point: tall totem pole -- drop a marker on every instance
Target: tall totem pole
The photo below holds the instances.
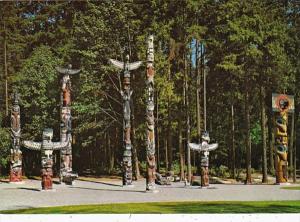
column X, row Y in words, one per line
column 66, row 174
column 151, row 166
column 15, row 153
column 204, row 147
column 126, row 95
column 46, row 147
column 282, row 104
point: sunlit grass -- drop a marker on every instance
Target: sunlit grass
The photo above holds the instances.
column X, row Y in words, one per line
column 291, row 188
column 171, row 207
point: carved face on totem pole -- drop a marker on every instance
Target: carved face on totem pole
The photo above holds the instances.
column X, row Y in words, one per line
column 15, row 117
column 66, row 89
column 281, row 104
column 15, row 151
column 126, row 95
column 281, row 136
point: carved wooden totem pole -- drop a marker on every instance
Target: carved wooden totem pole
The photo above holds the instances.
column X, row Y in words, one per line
column 46, row 147
column 150, row 146
column 15, row 153
column 204, row 147
column 126, row 95
column 66, row 174
column 282, row 104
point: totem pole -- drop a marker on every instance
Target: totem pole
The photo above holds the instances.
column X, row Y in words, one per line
column 15, row 153
column 46, row 147
column 204, row 147
column 151, row 167
column 126, row 95
column 66, row 174
column 281, row 104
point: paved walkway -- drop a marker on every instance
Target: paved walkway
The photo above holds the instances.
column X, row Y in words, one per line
column 28, row 195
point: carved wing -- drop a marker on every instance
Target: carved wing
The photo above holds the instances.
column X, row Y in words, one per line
column 134, row 65
column 67, row 71
column 74, row 71
column 210, row 147
column 60, row 145
column 195, row 146
column 117, row 63
column 32, row 145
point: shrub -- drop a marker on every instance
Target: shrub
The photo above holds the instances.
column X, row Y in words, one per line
column 5, row 144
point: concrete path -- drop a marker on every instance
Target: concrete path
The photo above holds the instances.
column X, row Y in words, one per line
column 28, row 195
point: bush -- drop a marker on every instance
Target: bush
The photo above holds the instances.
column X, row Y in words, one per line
column 5, row 144
column 221, row 171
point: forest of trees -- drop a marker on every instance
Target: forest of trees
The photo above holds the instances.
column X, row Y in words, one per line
column 246, row 50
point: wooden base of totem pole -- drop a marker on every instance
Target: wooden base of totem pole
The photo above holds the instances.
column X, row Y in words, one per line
column 204, row 177
column 151, row 175
column 15, row 177
column 47, row 183
column 281, row 173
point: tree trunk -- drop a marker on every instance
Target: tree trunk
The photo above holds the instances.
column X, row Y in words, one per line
column 5, row 72
column 295, row 149
column 198, row 101
column 181, row 151
column 248, row 137
column 291, row 146
column 232, row 144
column 186, row 98
column 136, row 169
column 157, row 135
column 271, row 143
column 198, row 96
column 169, row 143
column 169, row 135
column 263, row 131
column 166, row 153
column 111, row 153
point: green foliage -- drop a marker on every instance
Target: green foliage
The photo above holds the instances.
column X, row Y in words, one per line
column 5, row 145
column 256, row 133
column 39, row 87
column 221, row 171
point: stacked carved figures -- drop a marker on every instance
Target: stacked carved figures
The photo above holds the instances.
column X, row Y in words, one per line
column 126, row 95
column 281, row 143
column 150, row 146
column 282, row 104
column 66, row 174
column 46, row 147
column 204, row 147
column 16, row 154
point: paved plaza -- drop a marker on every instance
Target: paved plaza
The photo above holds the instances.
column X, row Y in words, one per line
column 28, row 194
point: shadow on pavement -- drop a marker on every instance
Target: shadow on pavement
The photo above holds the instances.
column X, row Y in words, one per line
column 86, row 188
column 91, row 181
column 28, row 188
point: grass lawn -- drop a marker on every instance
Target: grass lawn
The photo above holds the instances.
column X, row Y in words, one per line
column 291, row 188
column 171, row 207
